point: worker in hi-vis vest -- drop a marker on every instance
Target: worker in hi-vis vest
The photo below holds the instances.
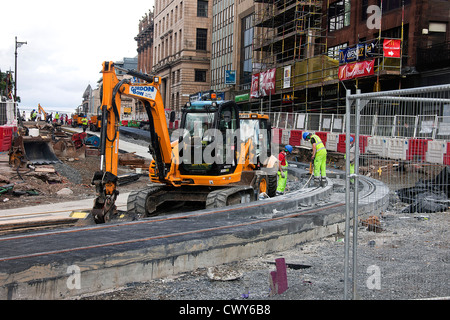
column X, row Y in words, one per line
column 282, row 169
column 352, row 159
column 318, row 158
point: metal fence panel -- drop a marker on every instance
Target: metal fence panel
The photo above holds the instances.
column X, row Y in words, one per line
column 403, row 251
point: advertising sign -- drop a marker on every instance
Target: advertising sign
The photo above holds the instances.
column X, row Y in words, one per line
column 267, row 82
column 144, row 91
column 342, row 54
column 230, row 77
column 391, row 48
column 254, row 91
column 370, row 49
column 357, row 53
column 287, row 77
column 355, row 70
column 351, row 54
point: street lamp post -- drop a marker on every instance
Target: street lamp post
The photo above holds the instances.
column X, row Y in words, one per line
column 18, row 45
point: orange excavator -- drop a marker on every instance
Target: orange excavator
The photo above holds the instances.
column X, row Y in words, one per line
column 206, row 161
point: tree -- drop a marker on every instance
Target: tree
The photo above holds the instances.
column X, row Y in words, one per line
column 7, row 85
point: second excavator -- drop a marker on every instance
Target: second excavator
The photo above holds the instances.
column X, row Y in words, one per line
column 208, row 160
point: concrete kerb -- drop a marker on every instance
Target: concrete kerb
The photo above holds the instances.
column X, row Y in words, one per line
column 262, row 231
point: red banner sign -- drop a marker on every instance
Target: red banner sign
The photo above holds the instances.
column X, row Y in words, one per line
column 355, row 70
column 254, row 91
column 392, row 48
column 267, row 82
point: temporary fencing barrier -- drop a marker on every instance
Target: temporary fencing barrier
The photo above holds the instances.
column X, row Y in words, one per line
column 403, row 138
column 6, row 135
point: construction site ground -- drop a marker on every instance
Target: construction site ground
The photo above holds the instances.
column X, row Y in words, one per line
column 412, row 254
column 412, row 250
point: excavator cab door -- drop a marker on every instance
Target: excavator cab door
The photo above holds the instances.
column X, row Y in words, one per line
column 211, row 140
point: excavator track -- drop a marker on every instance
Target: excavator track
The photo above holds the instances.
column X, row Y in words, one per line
column 230, row 196
column 138, row 202
column 144, row 203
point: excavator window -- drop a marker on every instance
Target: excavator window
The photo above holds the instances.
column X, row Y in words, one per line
column 259, row 131
column 203, row 121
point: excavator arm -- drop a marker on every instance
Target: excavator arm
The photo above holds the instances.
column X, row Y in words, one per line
column 106, row 179
column 41, row 111
column 208, row 164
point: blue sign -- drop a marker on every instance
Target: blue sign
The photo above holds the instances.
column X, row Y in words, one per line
column 351, row 54
column 230, row 76
column 370, row 50
column 342, row 55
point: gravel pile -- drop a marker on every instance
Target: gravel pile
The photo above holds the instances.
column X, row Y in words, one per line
column 72, row 174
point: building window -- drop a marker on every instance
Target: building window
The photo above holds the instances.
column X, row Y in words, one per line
column 247, row 50
column 202, row 37
column 389, row 5
column 339, row 15
column 200, row 75
column 202, row 8
column 364, row 6
column 333, row 52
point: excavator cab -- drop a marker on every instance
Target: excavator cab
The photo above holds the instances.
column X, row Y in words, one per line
column 210, row 140
column 257, row 129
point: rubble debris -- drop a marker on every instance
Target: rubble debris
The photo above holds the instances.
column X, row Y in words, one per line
column 45, row 177
column 130, row 159
column 223, row 273
column 128, row 178
column 47, row 169
column 6, row 188
column 4, row 179
column 428, row 196
column 20, row 193
column 133, row 161
column 64, row 192
column 372, row 223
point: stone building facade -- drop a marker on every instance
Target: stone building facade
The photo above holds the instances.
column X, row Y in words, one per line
column 182, row 49
column 145, row 43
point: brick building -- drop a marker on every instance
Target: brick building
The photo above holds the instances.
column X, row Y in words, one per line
column 314, row 42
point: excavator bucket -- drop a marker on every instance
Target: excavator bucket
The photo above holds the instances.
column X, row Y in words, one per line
column 65, row 148
column 32, row 150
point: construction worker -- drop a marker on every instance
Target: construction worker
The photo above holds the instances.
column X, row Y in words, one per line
column 57, row 118
column 33, row 115
column 84, row 123
column 318, row 158
column 352, row 158
column 282, row 169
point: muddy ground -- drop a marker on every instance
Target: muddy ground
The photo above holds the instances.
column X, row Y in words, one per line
column 411, row 251
column 46, row 188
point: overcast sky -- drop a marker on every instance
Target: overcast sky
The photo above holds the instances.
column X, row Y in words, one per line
column 67, row 42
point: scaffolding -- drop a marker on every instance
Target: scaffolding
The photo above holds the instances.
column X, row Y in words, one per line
column 291, row 33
